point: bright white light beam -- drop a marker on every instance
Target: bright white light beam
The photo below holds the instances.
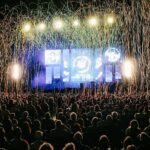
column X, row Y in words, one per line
column 128, row 69
column 41, row 26
column 93, row 21
column 26, row 27
column 58, row 24
column 16, row 71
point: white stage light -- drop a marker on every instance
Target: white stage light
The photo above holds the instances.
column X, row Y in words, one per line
column 26, row 27
column 110, row 20
column 112, row 54
column 41, row 26
column 16, row 71
column 93, row 21
column 58, row 24
column 76, row 23
column 128, row 69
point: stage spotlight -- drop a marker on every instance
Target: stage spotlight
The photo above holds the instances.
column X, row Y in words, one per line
column 112, row 54
column 128, row 69
column 26, row 27
column 16, row 71
column 41, row 26
column 76, row 23
column 110, row 20
column 58, row 24
column 93, row 21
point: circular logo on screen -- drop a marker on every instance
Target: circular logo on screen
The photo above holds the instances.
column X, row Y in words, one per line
column 82, row 64
column 112, row 54
column 52, row 57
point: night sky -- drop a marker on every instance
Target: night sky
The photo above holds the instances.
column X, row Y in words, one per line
column 59, row 3
column 12, row 3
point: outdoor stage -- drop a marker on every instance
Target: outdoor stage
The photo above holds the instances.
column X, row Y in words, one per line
column 72, row 68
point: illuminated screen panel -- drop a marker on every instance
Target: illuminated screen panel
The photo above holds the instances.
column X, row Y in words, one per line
column 118, row 71
column 48, row 75
column 66, row 65
column 112, row 54
column 81, row 65
column 108, row 76
column 98, row 66
column 57, row 72
column 52, row 57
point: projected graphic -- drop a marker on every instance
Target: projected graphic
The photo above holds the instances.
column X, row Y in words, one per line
column 48, row 75
column 66, row 66
column 118, row 72
column 56, row 72
column 112, row 54
column 81, row 65
column 52, row 57
column 108, row 76
column 98, row 69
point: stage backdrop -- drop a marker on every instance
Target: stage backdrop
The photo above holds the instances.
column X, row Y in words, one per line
column 70, row 67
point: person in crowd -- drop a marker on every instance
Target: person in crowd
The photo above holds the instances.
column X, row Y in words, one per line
column 17, row 142
column 38, row 140
column 147, row 129
column 144, row 141
column 46, row 146
column 92, row 133
column 133, row 130
column 3, row 140
column 36, row 126
column 127, row 141
column 104, row 143
column 72, row 120
column 25, row 117
column 26, row 131
column 47, row 122
column 59, row 133
column 131, row 147
column 78, row 141
column 69, row 146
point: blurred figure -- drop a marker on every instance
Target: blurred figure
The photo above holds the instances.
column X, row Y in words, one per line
column 78, row 140
column 69, row 146
column 131, row 147
column 38, row 140
column 17, row 143
column 46, row 146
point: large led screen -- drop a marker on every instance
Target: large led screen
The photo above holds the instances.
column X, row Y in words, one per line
column 74, row 66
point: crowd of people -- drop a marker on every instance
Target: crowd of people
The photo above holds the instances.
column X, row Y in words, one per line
column 74, row 121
